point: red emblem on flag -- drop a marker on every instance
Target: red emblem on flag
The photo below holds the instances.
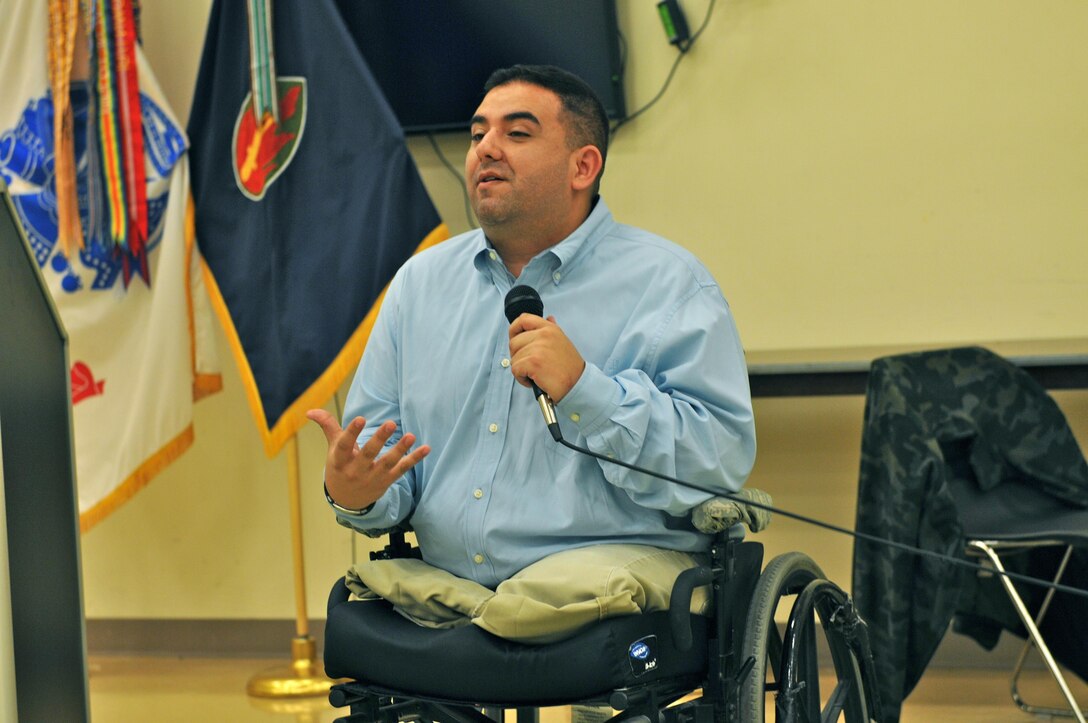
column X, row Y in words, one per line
column 84, row 384
column 263, row 148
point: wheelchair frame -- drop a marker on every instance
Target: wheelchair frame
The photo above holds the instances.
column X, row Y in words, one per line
column 742, row 645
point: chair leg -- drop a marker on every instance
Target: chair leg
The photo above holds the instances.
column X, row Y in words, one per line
column 522, row 715
column 528, row 715
column 1014, row 687
column 1033, row 632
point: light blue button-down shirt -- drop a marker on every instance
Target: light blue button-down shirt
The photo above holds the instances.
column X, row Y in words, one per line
column 665, row 387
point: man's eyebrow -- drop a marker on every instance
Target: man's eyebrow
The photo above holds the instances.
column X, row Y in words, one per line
column 516, row 115
column 521, row 115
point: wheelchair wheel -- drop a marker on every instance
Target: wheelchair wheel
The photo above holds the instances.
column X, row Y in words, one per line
column 793, row 675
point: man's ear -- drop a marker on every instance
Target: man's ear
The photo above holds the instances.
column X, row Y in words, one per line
column 587, row 163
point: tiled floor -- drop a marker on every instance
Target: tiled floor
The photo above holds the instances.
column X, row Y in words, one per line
column 208, row 690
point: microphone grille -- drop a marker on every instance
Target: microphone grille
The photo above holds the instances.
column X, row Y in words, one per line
column 523, row 300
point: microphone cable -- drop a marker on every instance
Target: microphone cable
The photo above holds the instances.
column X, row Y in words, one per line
column 523, row 299
column 1038, row 582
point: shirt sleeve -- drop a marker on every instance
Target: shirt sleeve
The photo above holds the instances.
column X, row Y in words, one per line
column 375, row 395
column 687, row 413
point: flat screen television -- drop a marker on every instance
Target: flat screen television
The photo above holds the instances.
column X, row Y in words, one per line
column 431, row 57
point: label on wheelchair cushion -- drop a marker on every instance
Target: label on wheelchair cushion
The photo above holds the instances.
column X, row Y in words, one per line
column 643, row 655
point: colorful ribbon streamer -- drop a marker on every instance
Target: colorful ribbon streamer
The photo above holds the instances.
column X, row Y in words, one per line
column 63, row 25
column 120, row 133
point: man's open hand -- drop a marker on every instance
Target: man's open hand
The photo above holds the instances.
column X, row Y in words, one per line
column 356, row 476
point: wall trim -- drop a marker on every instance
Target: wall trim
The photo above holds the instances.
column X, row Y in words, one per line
column 272, row 639
column 214, row 638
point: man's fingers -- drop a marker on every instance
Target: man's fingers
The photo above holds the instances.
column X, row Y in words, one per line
column 527, row 322
column 346, row 440
column 392, row 459
column 407, row 461
column 374, row 445
column 342, row 446
column 326, row 421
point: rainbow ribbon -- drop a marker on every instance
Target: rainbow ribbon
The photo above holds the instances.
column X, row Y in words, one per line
column 120, row 133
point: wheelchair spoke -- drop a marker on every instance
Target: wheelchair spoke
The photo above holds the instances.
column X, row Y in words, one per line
column 837, row 700
column 774, row 649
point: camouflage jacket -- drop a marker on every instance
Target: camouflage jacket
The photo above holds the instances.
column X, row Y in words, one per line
column 918, row 407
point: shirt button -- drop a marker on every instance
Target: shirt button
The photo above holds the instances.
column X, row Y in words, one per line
column 478, row 493
column 576, row 417
column 505, row 363
column 478, row 559
column 493, row 428
column 494, row 256
column 557, row 276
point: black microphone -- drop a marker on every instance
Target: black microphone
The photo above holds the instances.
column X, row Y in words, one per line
column 524, row 300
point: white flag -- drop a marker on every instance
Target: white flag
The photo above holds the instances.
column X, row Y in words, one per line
column 140, row 354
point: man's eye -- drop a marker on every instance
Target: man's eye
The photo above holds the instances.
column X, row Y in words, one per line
column 519, row 134
column 476, row 137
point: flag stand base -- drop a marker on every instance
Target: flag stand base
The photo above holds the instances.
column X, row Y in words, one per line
column 303, row 678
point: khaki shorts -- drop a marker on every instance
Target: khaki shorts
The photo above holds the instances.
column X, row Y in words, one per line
column 549, row 600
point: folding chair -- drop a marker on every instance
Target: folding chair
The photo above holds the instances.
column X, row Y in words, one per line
column 964, row 453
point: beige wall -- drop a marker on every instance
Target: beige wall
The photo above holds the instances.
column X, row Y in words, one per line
column 854, row 172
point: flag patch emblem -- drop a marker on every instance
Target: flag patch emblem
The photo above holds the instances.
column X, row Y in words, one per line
column 263, row 149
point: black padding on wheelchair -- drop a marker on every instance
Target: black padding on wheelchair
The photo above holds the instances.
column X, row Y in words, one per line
column 376, row 645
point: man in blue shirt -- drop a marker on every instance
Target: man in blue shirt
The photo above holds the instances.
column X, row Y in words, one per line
column 638, row 351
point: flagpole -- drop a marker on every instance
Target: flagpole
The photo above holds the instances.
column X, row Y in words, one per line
column 306, row 675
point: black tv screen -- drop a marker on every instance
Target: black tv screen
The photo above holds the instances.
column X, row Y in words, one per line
column 431, row 57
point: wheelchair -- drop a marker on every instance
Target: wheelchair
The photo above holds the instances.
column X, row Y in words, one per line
column 668, row 666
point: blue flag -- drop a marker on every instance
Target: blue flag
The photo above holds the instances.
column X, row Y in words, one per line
column 302, row 215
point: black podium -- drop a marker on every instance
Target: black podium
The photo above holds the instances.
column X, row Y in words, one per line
column 39, row 489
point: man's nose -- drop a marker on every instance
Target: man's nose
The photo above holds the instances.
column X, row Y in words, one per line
column 488, row 146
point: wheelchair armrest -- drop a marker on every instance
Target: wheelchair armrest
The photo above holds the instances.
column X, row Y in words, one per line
column 720, row 513
column 398, row 547
column 680, row 603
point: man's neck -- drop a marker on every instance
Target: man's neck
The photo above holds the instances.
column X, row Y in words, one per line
column 516, row 255
column 517, row 248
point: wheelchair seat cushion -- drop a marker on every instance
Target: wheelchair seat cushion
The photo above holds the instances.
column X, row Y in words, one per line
column 551, row 599
column 368, row 641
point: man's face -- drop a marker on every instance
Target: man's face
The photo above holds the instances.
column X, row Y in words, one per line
column 519, row 167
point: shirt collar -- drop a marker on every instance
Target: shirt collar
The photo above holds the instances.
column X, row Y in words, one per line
column 564, row 255
column 486, row 256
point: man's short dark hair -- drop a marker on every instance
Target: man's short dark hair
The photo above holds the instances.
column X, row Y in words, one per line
column 588, row 122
